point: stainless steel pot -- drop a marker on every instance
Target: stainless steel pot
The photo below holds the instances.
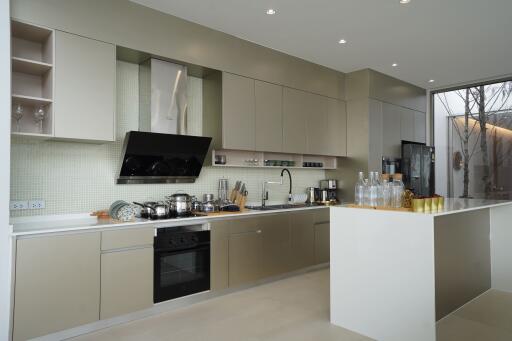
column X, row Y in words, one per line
column 179, row 203
column 211, row 206
column 153, row 210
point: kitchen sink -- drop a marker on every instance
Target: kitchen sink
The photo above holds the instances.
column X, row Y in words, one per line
column 277, row 207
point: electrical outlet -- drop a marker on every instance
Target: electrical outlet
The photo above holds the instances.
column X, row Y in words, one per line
column 18, row 205
column 36, row 204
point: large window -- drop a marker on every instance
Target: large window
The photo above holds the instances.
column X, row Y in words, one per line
column 473, row 137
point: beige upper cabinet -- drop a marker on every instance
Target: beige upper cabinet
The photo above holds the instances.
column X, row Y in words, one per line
column 295, row 110
column 238, row 112
column 316, row 125
column 57, row 283
column 391, row 130
column 336, row 127
column 407, row 123
column 419, row 127
column 269, row 117
column 85, row 73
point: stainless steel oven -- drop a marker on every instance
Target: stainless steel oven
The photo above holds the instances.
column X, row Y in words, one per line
column 182, row 262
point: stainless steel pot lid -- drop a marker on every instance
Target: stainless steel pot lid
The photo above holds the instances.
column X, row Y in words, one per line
column 179, row 197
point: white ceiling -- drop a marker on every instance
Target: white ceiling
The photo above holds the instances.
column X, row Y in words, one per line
column 450, row 41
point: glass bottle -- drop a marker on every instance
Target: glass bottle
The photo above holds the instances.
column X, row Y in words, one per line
column 379, row 201
column 359, row 190
column 397, row 190
column 373, row 189
column 366, row 193
column 386, row 191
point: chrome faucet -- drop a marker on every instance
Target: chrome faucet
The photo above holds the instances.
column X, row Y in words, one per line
column 264, row 191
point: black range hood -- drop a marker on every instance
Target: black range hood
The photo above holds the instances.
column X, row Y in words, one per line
column 162, row 158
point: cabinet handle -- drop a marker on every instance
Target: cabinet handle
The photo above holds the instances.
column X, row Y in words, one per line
column 259, row 231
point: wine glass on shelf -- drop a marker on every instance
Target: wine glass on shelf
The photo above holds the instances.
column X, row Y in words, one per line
column 17, row 114
column 39, row 114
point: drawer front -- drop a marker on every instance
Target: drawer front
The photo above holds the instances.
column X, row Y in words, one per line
column 245, row 225
column 322, row 215
column 127, row 238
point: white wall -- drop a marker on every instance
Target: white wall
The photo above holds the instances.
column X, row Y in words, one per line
column 5, row 140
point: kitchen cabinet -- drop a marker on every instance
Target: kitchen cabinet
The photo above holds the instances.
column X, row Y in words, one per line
column 276, row 242
column 238, row 112
column 244, row 257
column 407, row 124
column 303, row 239
column 420, row 127
column 219, row 258
column 316, row 125
column 269, row 117
column 126, row 271
column 295, row 111
column 245, row 250
column 336, row 128
column 57, row 283
column 126, row 281
column 85, row 73
column 322, row 243
column 391, row 130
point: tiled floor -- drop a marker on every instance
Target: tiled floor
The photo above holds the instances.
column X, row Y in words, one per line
column 487, row 318
column 297, row 309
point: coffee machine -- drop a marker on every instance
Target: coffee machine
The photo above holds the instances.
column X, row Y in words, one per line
column 328, row 190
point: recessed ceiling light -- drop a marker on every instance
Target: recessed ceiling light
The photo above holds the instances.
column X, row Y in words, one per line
column 403, row 2
column 394, row 65
column 342, row 41
column 271, row 11
column 431, row 81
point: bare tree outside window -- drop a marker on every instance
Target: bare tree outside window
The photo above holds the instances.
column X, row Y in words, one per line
column 479, row 120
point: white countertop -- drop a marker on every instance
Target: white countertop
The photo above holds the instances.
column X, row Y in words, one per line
column 77, row 222
column 456, row 205
column 452, row 206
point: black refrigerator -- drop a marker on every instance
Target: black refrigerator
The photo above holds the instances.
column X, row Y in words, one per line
column 418, row 168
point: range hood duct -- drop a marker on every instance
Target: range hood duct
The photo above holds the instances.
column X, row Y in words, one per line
column 162, row 97
column 161, row 152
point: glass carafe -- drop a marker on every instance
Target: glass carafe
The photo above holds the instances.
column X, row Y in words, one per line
column 397, row 191
column 359, row 190
column 373, row 189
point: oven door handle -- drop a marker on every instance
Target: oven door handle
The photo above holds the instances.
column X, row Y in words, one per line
column 175, row 252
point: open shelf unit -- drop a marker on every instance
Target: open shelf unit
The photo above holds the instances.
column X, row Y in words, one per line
column 32, row 60
column 242, row 158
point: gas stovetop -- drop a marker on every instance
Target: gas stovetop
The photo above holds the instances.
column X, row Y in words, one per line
column 181, row 216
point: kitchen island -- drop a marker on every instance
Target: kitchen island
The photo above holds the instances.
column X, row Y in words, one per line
column 394, row 274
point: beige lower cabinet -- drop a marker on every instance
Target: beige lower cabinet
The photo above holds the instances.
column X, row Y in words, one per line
column 303, row 238
column 219, row 255
column 57, row 283
column 276, row 255
column 126, row 281
column 322, row 253
column 245, row 249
